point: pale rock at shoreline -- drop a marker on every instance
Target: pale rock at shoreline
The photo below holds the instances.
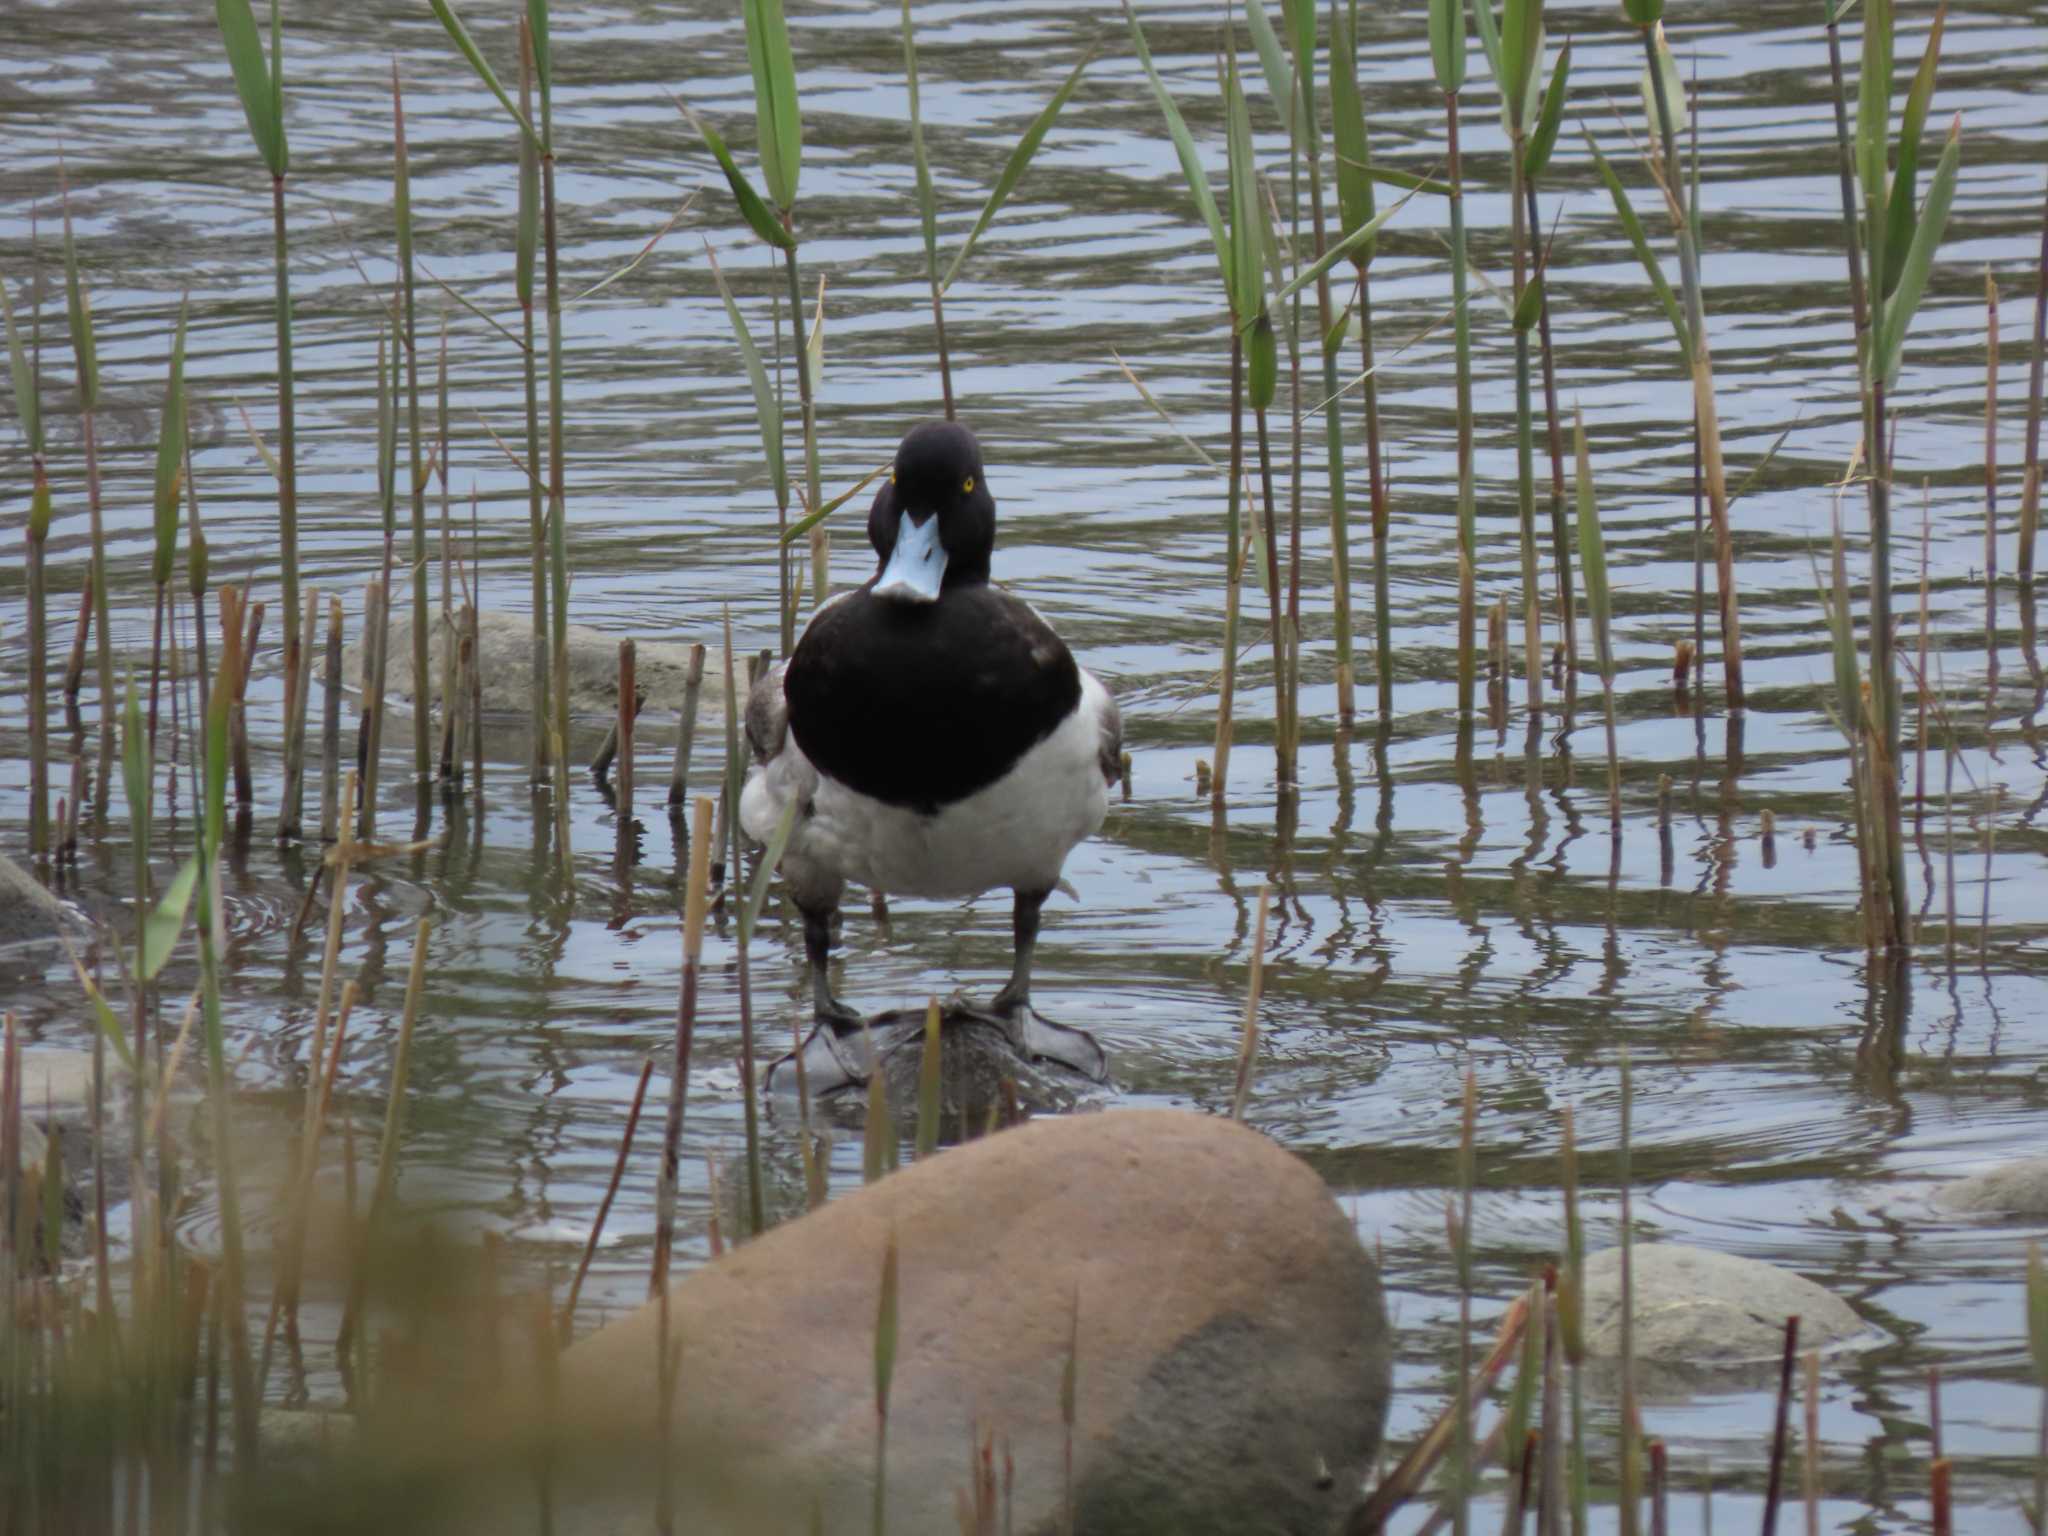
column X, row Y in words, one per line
column 2011, row 1189
column 660, row 668
column 1696, row 1307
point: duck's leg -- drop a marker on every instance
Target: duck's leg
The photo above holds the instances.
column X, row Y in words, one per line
column 1032, row 1035
column 818, row 951
column 1015, row 998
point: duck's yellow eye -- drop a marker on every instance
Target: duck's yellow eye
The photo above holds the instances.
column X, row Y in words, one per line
column 967, row 485
column 892, row 477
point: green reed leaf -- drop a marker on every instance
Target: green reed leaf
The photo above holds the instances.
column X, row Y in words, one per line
column 1489, row 36
column 764, row 874
column 2037, row 1312
column 886, row 1328
column 1904, row 188
column 1625, row 210
column 767, row 409
column 1272, row 62
column 165, row 924
column 1447, row 44
column 78, row 307
column 1247, row 259
column 260, row 99
column 1593, row 572
column 927, row 200
column 1521, row 56
column 1919, row 258
column 26, row 404
column 879, row 1130
column 1339, row 250
column 387, row 428
column 170, row 458
column 1529, row 308
column 1644, row 13
column 760, row 218
column 1407, row 181
column 526, row 238
column 458, row 34
column 543, row 50
column 1348, row 130
column 1873, row 109
column 778, row 124
column 928, row 1083
column 1184, row 146
column 1674, row 94
column 805, row 524
column 1536, row 155
column 109, row 1026
column 1263, row 363
column 1013, row 168
column 137, row 772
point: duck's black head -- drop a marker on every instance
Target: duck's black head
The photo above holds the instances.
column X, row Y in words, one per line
column 933, row 524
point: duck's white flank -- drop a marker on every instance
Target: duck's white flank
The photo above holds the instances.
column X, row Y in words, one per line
column 1016, row 833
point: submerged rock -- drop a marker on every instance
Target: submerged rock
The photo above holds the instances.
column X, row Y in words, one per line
column 2013, row 1189
column 660, row 667
column 1695, row 1307
column 33, row 924
column 1231, row 1364
column 981, row 1070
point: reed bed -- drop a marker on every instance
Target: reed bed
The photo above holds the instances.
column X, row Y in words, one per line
column 160, row 1344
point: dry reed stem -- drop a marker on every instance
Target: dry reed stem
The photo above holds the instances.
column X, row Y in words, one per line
column 604, row 1208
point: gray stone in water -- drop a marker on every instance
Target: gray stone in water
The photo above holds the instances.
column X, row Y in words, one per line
column 32, row 923
column 661, row 667
column 2013, row 1189
column 1695, row 1307
column 1232, row 1360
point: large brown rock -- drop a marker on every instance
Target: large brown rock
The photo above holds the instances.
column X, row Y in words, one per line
column 1232, row 1369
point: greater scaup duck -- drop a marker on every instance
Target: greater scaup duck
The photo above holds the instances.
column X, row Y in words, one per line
column 935, row 734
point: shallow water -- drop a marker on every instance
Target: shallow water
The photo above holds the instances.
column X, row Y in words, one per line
column 1737, row 982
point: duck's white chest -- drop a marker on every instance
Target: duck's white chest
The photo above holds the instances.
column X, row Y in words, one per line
column 1016, row 832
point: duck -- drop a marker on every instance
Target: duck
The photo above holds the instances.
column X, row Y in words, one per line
column 935, row 737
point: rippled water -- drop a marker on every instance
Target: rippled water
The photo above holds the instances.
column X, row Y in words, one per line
column 1426, row 919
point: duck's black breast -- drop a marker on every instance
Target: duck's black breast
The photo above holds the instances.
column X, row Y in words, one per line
column 922, row 704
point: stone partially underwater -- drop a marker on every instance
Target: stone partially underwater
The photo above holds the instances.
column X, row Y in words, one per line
column 1171, row 1300
column 981, row 1068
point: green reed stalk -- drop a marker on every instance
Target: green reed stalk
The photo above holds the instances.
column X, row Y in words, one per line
column 1308, row 140
column 28, row 407
column 1900, row 242
column 1355, row 206
column 1688, row 323
column 1248, row 250
column 1447, row 40
column 260, row 85
column 1572, row 1325
column 1229, row 266
column 558, row 505
column 401, row 189
column 1461, row 1471
column 1515, row 52
column 526, row 240
column 735, row 779
column 930, row 1079
column 1600, row 605
column 85, row 353
column 885, row 1371
column 207, row 918
column 927, row 211
column 453, row 711
column 2030, row 495
column 1535, row 160
column 2037, row 1351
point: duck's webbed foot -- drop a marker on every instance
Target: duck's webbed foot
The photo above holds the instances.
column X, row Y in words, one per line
column 1033, row 1036
column 818, row 951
